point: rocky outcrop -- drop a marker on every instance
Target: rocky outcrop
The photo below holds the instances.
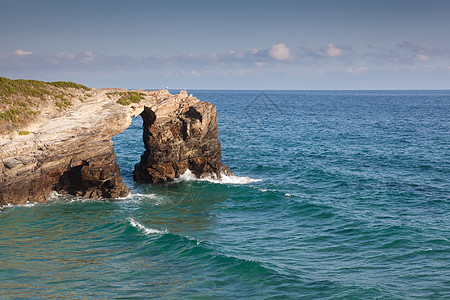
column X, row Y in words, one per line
column 178, row 136
column 90, row 172
column 70, row 151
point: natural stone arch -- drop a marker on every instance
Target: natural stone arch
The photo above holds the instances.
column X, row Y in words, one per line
column 72, row 151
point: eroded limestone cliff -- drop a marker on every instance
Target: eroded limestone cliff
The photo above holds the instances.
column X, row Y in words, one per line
column 70, row 150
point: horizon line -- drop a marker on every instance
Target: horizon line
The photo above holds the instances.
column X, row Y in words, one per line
column 197, row 89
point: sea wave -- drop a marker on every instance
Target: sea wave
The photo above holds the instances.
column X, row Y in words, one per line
column 265, row 190
column 7, row 206
column 28, row 204
column 224, row 179
column 139, row 196
column 144, row 229
column 56, row 197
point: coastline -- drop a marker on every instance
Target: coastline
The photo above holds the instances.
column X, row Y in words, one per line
column 70, row 150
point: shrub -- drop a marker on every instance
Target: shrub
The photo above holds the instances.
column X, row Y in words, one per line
column 12, row 115
column 69, row 84
column 126, row 98
column 123, row 101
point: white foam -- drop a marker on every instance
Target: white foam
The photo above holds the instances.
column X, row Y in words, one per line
column 193, row 239
column 186, row 176
column 149, row 199
column 28, row 204
column 56, row 197
column 138, row 196
column 146, row 230
column 236, row 179
column 224, row 179
column 266, row 190
column 275, row 191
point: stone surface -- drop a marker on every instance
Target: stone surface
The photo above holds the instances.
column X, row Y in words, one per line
column 71, row 151
column 178, row 136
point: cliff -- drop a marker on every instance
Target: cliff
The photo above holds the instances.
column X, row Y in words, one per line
column 69, row 149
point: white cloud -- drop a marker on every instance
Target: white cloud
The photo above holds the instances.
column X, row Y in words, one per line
column 89, row 56
column 277, row 58
column 279, row 52
column 66, row 55
column 191, row 73
column 406, row 53
column 332, row 51
column 358, row 70
column 22, row 53
column 213, row 56
column 423, row 57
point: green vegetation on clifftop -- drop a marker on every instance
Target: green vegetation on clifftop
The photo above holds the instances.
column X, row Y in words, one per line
column 69, row 84
column 126, row 98
column 21, row 99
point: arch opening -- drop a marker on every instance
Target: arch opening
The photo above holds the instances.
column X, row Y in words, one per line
column 129, row 146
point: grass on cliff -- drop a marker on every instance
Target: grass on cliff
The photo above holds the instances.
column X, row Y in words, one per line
column 69, row 84
column 126, row 98
column 20, row 99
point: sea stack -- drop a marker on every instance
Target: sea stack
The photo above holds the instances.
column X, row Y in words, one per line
column 180, row 135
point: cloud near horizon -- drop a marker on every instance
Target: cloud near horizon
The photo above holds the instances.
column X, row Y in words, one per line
column 278, row 58
column 279, row 52
column 22, row 52
column 332, row 51
column 405, row 53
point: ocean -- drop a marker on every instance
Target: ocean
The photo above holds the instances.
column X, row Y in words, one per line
column 336, row 195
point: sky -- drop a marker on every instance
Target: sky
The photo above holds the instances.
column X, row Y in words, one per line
column 257, row 45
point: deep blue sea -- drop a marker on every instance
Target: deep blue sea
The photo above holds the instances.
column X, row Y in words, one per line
column 337, row 195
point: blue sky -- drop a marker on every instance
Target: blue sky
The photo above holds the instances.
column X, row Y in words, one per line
column 322, row 44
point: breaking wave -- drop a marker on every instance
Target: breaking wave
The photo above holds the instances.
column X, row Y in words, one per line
column 28, row 204
column 224, row 179
column 144, row 229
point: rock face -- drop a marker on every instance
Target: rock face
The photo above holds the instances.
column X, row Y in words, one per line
column 71, row 151
column 89, row 173
column 179, row 136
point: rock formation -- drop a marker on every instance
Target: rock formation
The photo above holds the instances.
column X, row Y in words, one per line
column 180, row 135
column 70, row 150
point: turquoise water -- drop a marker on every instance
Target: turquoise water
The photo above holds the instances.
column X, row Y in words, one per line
column 339, row 195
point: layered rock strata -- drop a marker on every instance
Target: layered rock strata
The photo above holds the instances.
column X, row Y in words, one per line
column 70, row 151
